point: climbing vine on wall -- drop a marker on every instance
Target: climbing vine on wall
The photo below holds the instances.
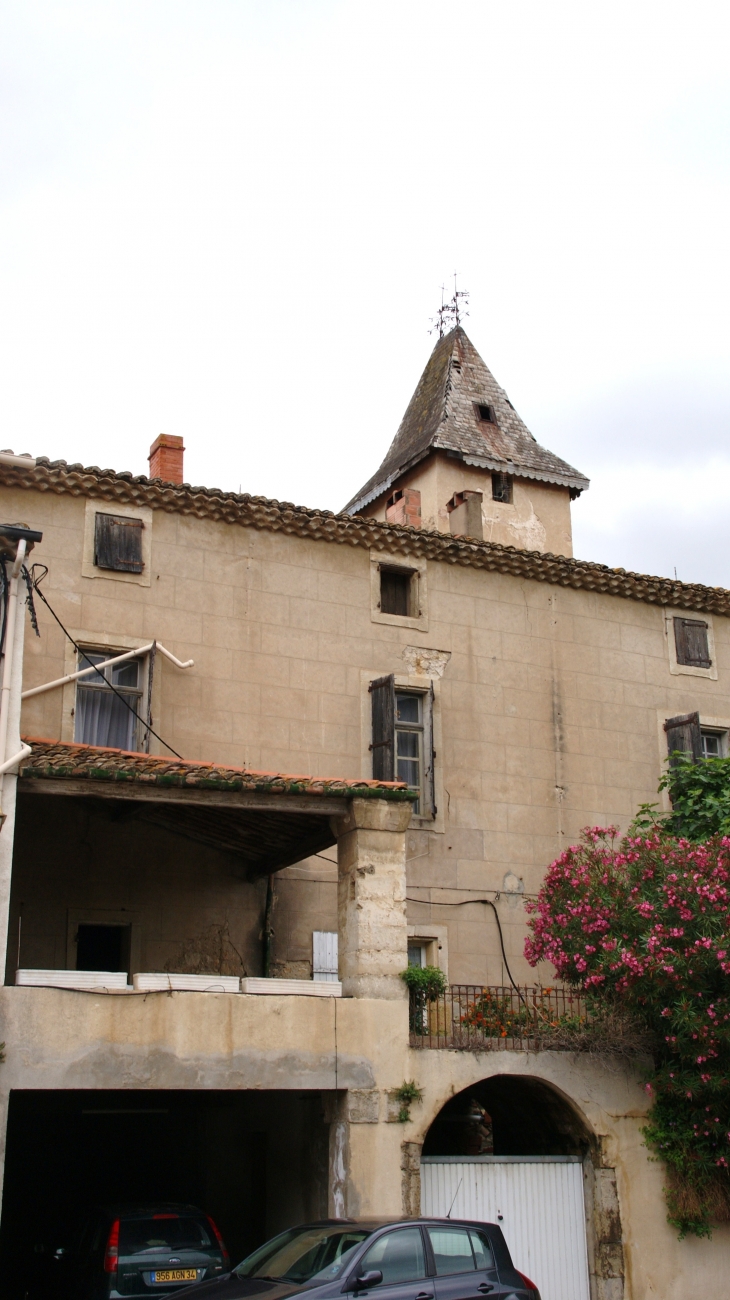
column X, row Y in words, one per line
column 644, row 923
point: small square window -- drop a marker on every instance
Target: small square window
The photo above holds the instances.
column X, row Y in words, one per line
column 502, row 488
column 417, row 954
column 485, row 413
column 713, row 744
column 691, row 641
column 395, row 592
column 118, row 543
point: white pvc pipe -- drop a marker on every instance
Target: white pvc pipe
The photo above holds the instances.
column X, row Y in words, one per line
column 24, row 752
column 118, row 659
column 8, row 458
column 9, row 643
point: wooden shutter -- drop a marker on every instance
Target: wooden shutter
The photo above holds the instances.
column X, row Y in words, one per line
column 395, row 590
column 382, row 692
column 118, row 543
column 683, row 733
column 430, row 756
column 324, row 955
column 690, row 638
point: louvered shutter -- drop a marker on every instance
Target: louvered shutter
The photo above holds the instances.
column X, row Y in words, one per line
column 324, row 955
column 683, row 734
column 382, row 693
column 690, row 639
column 118, row 543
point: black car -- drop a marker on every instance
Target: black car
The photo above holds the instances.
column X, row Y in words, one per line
column 135, row 1251
column 411, row 1259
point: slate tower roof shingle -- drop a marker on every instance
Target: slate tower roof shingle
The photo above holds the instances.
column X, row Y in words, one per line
column 442, row 416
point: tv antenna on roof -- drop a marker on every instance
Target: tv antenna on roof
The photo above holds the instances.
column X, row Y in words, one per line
column 449, row 313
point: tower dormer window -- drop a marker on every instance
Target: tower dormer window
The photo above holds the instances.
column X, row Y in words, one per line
column 485, row 413
column 502, row 488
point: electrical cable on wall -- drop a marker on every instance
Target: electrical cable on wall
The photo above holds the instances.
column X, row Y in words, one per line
column 466, row 902
column 36, row 581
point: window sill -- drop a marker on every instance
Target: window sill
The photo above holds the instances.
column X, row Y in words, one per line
column 400, row 620
column 686, row 670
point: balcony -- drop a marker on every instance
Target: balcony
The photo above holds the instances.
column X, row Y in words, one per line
column 482, row 1018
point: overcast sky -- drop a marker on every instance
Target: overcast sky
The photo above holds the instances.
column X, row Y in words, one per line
column 229, row 220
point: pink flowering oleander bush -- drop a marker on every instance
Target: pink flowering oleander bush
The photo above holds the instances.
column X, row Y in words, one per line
column 644, row 923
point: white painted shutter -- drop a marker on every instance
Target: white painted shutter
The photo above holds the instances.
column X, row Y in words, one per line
column 537, row 1202
column 324, row 955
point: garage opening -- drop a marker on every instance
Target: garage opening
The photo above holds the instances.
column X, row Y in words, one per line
column 514, row 1151
column 256, row 1162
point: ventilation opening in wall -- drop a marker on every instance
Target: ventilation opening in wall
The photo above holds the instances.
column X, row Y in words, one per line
column 502, row 488
column 485, row 413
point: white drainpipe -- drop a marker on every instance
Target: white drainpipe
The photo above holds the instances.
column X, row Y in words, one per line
column 9, row 669
column 11, row 751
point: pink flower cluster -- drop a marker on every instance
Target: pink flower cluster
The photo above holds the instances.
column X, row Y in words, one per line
column 646, row 920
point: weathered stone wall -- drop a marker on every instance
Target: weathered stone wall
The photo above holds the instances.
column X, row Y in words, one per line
column 355, row 1052
column 550, row 705
column 537, row 518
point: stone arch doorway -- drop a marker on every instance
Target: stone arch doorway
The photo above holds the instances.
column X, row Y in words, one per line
column 509, row 1115
column 516, row 1150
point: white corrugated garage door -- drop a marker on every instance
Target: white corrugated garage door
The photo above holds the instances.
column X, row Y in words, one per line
column 540, row 1201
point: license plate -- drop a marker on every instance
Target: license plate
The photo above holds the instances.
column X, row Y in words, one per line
column 174, row 1275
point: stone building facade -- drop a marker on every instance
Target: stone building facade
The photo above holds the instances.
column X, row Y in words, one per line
column 436, row 635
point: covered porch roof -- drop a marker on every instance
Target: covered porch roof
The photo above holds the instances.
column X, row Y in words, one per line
column 267, row 819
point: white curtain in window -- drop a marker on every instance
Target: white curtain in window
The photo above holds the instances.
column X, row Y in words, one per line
column 102, row 719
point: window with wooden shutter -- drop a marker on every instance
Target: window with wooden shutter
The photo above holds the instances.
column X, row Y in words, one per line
column 402, row 744
column 382, row 693
column 118, row 543
column 684, row 736
column 395, row 591
column 690, row 639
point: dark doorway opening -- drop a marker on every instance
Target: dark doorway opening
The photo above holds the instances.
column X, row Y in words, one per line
column 256, row 1161
column 508, row 1115
column 103, row 947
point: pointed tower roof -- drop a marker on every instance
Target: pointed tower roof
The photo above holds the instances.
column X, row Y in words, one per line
column 443, row 415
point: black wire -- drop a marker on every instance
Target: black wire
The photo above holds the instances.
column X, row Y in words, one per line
column 4, row 597
column 125, row 701
column 29, row 600
column 493, row 906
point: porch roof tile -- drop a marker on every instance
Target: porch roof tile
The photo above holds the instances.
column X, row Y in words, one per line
column 57, row 760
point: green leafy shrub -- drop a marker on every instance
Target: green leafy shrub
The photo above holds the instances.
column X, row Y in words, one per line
column 407, row 1094
column 700, row 795
column 429, row 981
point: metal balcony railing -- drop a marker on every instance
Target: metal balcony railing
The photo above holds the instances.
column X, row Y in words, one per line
column 496, row 1018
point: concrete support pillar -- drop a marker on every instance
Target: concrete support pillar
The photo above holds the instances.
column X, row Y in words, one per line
column 371, row 856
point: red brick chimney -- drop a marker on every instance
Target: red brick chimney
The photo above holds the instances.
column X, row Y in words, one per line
column 404, row 507
column 166, row 458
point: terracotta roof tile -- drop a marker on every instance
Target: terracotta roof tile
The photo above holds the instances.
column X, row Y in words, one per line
column 107, row 486
column 59, row 761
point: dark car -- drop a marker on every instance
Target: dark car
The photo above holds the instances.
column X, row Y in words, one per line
column 135, row 1251
column 411, row 1259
